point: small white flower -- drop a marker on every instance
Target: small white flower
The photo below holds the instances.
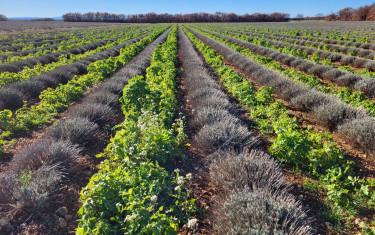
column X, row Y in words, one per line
column 192, row 223
column 176, row 170
column 189, row 176
column 130, row 217
column 180, row 180
column 177, row 188
column 154, row 199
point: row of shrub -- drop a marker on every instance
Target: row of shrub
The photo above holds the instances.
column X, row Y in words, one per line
column 349, row 32
column 31, row 46
column 256, row 197
column 43, row 57
column 316, row 55
column 27, row 73
column 354, row 98
column 312, row 39
column 320, row 57
column 355, row 82
column 25, row 38
column 303, row 149
column 22, row 49
column 136, row 190
column 326, row 52
column 366, row 53
column 351, row 123
column 20, row 87
column 36, row 170
column 8, row 56
column 54, row 101
column 40, row 58
column 19, row 43
column 74, row 47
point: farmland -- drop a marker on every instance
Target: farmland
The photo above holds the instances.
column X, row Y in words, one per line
column 31, row 27
column 206, row 128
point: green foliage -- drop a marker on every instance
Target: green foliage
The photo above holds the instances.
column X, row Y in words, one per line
column 368, row 230
column 135, row 95
column 121, row 201
column 5, row 119
column 133, row 193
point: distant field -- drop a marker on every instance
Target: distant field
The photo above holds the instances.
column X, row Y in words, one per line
column 198, row 128
column 18, row 26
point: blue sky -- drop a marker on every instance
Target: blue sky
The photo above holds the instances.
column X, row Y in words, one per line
column 53, row 8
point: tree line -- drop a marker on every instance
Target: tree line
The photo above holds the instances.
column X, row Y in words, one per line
column 179, row 18
column 362, row 13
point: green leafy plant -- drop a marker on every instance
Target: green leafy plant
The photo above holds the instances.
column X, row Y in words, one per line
column 133, row 193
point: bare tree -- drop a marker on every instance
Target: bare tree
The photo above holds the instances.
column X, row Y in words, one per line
column 3, row 17
column 371, row 13
column 363, row 12
column 152, row 17
column 346, row 13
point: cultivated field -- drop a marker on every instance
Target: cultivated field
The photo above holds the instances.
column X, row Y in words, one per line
column 237, row 128
column 14, row 27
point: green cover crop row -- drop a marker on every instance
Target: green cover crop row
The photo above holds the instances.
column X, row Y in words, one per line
column 135, row 190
